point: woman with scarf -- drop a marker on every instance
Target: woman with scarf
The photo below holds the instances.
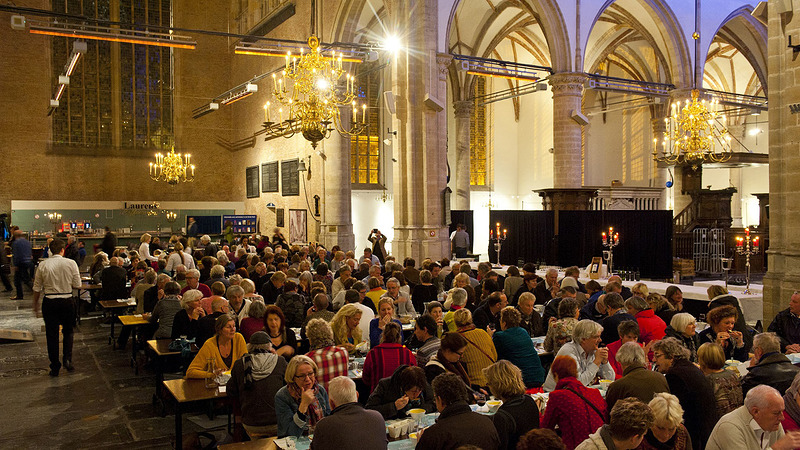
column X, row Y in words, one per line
column 791, row 401
column 255, row 379
column 302, row 402
column 447, row 359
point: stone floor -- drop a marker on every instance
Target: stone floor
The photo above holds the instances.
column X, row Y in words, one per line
column 102, row 404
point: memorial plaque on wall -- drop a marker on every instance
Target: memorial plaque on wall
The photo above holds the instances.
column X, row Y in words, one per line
column 252, row 181
column 290, row 179
column 269, row 177
column 279, row 218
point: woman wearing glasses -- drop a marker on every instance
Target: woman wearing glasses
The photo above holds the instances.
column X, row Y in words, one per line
column 302, row 402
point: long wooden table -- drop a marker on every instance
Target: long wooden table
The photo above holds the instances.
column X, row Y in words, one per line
column 161, row 352
column 134, row 321
column 114, row 308
column 186, row 392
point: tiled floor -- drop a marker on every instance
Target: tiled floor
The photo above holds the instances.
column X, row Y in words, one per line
column 102, row 404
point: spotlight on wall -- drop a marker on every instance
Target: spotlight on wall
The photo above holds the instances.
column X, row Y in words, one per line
column 388, row 140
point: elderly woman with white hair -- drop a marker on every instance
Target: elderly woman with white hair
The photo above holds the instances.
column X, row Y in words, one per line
column 667, row 431
column 456, row 299
column 592, row 361
column 683, row 328
column 186, row 321
column 250, row 290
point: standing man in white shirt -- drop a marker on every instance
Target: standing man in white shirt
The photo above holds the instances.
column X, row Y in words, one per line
column 459, row 241
column 55, row 279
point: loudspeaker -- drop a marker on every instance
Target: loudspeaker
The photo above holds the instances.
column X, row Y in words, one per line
column 433, row 103
column 578, row 117
column 17, row 22
column 388, row 98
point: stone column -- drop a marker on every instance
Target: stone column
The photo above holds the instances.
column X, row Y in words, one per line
column 420, row 174
column 567, row 96
column 783, row 258
column 337, row 220
column 463, row 116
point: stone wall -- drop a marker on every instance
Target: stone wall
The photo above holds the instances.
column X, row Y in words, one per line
column 783, row 276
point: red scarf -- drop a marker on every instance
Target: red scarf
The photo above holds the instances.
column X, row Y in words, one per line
column 314, row 412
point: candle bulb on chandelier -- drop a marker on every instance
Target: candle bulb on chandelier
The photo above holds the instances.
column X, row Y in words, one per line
column 364, row 113
column 288, row 55
column 747, row 231
column 505, row 232
column 755, row 241
column 280, row 112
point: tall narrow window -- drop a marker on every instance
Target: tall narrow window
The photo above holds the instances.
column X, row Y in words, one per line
column 84, row 115
column 120, row 95
column 477, row 139
column 365, row 149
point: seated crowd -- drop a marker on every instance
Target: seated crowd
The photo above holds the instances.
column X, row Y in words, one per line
column 288, row 321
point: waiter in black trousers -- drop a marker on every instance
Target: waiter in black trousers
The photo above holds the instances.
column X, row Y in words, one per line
column 55, row 279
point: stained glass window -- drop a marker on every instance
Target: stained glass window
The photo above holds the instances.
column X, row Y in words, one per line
column 365, row 149
column 120, row 95
column 477, row 139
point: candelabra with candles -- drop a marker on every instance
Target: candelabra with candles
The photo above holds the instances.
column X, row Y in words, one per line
column 171, row 216
column 498, row 239
column 55, row 219
column 744, row 247
column 610, row 241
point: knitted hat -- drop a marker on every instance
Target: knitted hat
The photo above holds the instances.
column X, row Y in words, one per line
column 259, row 338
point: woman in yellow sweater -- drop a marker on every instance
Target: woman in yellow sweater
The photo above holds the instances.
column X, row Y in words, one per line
column 480, row 352
column 224, row 348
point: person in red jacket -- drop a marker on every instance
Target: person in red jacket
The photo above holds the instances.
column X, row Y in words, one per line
column 384, row 358
column 578, row 411
column 628, row 332
column 791, row 401
column 651, row 327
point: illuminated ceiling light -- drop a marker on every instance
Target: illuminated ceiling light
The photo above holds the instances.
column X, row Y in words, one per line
column 205, row 109
column 392, row 44
column 501, row 75
column 99, row 33
column 353, row 56
column 249, row 89
column 78, row 49
column 696, row 133
column 172, row 168
column 309, row 90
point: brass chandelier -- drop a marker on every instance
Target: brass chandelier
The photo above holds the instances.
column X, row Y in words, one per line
column 172, row 168
column 695, row 134
column 311, row 106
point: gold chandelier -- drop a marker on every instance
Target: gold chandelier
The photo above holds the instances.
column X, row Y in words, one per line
column 311, row 106
column 172, row 168
column 695, row 134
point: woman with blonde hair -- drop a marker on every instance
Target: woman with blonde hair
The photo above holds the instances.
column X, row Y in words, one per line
column 144, row 248
column 302, row 402
column 178, row 257
column 346, row 332
column 480, row 352
column 667, row 430
column 250, row 290
column 519, row 413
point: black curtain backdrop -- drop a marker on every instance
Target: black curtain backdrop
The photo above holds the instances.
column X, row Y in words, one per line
column 465, row 217
column 645, row 240
column 530, row 236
